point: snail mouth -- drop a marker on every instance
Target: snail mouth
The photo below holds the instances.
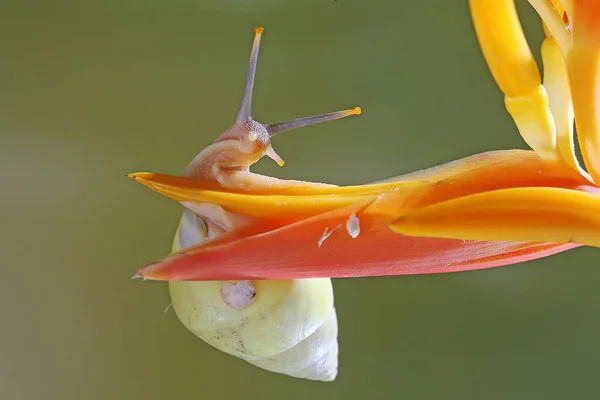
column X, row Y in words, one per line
column 239, row 168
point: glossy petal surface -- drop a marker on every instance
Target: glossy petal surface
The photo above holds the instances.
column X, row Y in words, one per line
column 320, row 246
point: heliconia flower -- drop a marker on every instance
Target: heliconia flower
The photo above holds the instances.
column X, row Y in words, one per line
column 487, row 210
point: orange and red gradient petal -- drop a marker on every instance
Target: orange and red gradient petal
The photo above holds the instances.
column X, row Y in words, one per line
column 304, row 250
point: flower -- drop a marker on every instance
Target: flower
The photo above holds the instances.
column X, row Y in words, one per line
column 487, row 210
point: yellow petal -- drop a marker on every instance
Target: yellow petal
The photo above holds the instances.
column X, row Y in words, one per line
column 504, row 46
column 561, row 9
column 521, row 214
column 556, row 82
column 531, row 113
column 552, row 13
column 510, row 60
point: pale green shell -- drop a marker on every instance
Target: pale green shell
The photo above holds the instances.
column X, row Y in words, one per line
column 289, row 328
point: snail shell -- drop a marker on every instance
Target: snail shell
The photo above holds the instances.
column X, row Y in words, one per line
column 289, row 327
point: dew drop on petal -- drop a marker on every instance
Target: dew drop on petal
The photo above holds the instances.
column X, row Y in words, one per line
column 353, row 226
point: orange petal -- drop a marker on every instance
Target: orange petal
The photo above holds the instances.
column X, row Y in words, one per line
column 522, row 214
column 277, row 203
column 482, row 172
column 583, row 63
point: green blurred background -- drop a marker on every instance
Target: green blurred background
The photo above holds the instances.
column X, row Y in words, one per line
column 90, row 91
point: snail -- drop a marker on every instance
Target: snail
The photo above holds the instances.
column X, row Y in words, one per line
column 253, row 255
column 284, row 326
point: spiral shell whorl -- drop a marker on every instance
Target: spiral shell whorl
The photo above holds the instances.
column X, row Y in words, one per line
column 315, row 357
